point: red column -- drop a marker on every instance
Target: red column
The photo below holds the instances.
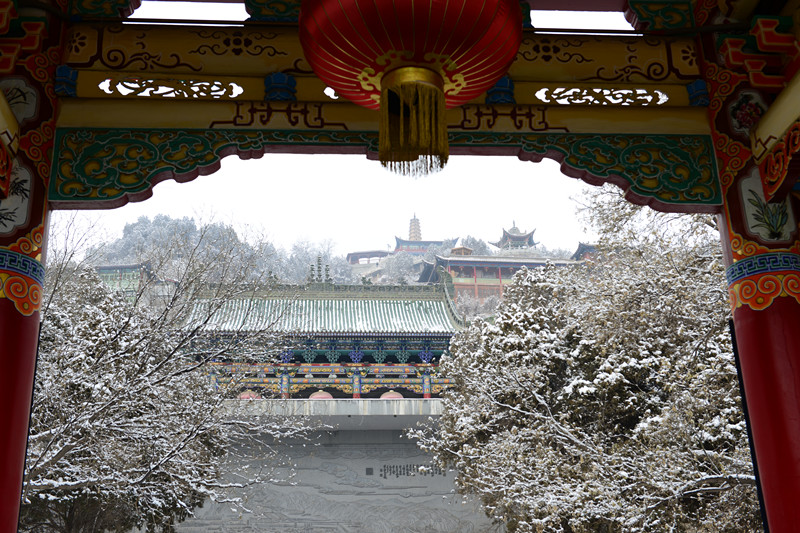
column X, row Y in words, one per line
column 18, row 334
column 762, row 249
column 31, row 43
column 500, row 279
column 767, row 322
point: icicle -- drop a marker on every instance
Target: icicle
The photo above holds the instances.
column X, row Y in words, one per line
column 413, row 132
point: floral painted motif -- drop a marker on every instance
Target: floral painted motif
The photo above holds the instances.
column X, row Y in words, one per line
column 771, row 217
column 746, row 112
column 14, row 208
column 770, row 222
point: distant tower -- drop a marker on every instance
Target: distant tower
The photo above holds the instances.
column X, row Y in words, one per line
column 414, row 231
column 414, row 245
column 515, row 239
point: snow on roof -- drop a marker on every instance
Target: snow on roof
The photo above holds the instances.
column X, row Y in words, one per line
column 369, row 312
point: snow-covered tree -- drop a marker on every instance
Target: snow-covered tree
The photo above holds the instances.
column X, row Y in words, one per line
column 139, row 237
column 398, row 268
column 126, row 427
column 168, row 239
column 478, row 246
column 304, row 254
column 469, row 306
column 442, row 250
column 605, row 398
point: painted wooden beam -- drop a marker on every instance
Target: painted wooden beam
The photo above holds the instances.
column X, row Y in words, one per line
column 343, row 116
column 138, row 86
column 255, row 51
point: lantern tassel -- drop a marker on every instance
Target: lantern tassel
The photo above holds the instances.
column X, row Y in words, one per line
column 413, row 131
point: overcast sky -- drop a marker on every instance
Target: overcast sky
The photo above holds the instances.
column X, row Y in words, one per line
column 358, row 205
column 355, row 203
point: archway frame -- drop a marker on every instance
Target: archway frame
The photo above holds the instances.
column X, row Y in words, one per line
column 698, row 113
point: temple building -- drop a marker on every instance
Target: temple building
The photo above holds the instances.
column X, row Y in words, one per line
column 128, row 279
column 363, row 362
column 414, row 247
column 514, row 239
column 484, row 276
column 343, row 341
column 584, row 251
column 479, row 276
column 369, row 264
column 136, row 281
column 366, row 257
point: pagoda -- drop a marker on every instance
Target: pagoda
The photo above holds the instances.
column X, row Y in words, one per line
column 414, row 245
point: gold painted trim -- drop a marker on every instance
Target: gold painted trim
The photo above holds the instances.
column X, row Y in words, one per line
column 777, row 120
column 412, row 75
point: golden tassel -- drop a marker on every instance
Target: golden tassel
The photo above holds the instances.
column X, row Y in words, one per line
column 413, row 132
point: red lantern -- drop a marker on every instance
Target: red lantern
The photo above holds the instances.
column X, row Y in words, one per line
column 411, row 59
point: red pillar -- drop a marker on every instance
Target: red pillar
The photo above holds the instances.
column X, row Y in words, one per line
column 500, row 279
column 19, row 335
column 762, row 251
column 31, row 50
column 767, row 323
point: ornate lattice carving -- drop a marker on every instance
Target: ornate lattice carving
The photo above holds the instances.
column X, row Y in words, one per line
column 601, row 96
column 170, row 88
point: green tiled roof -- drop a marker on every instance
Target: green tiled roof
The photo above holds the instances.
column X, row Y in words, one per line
column 355, row 310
